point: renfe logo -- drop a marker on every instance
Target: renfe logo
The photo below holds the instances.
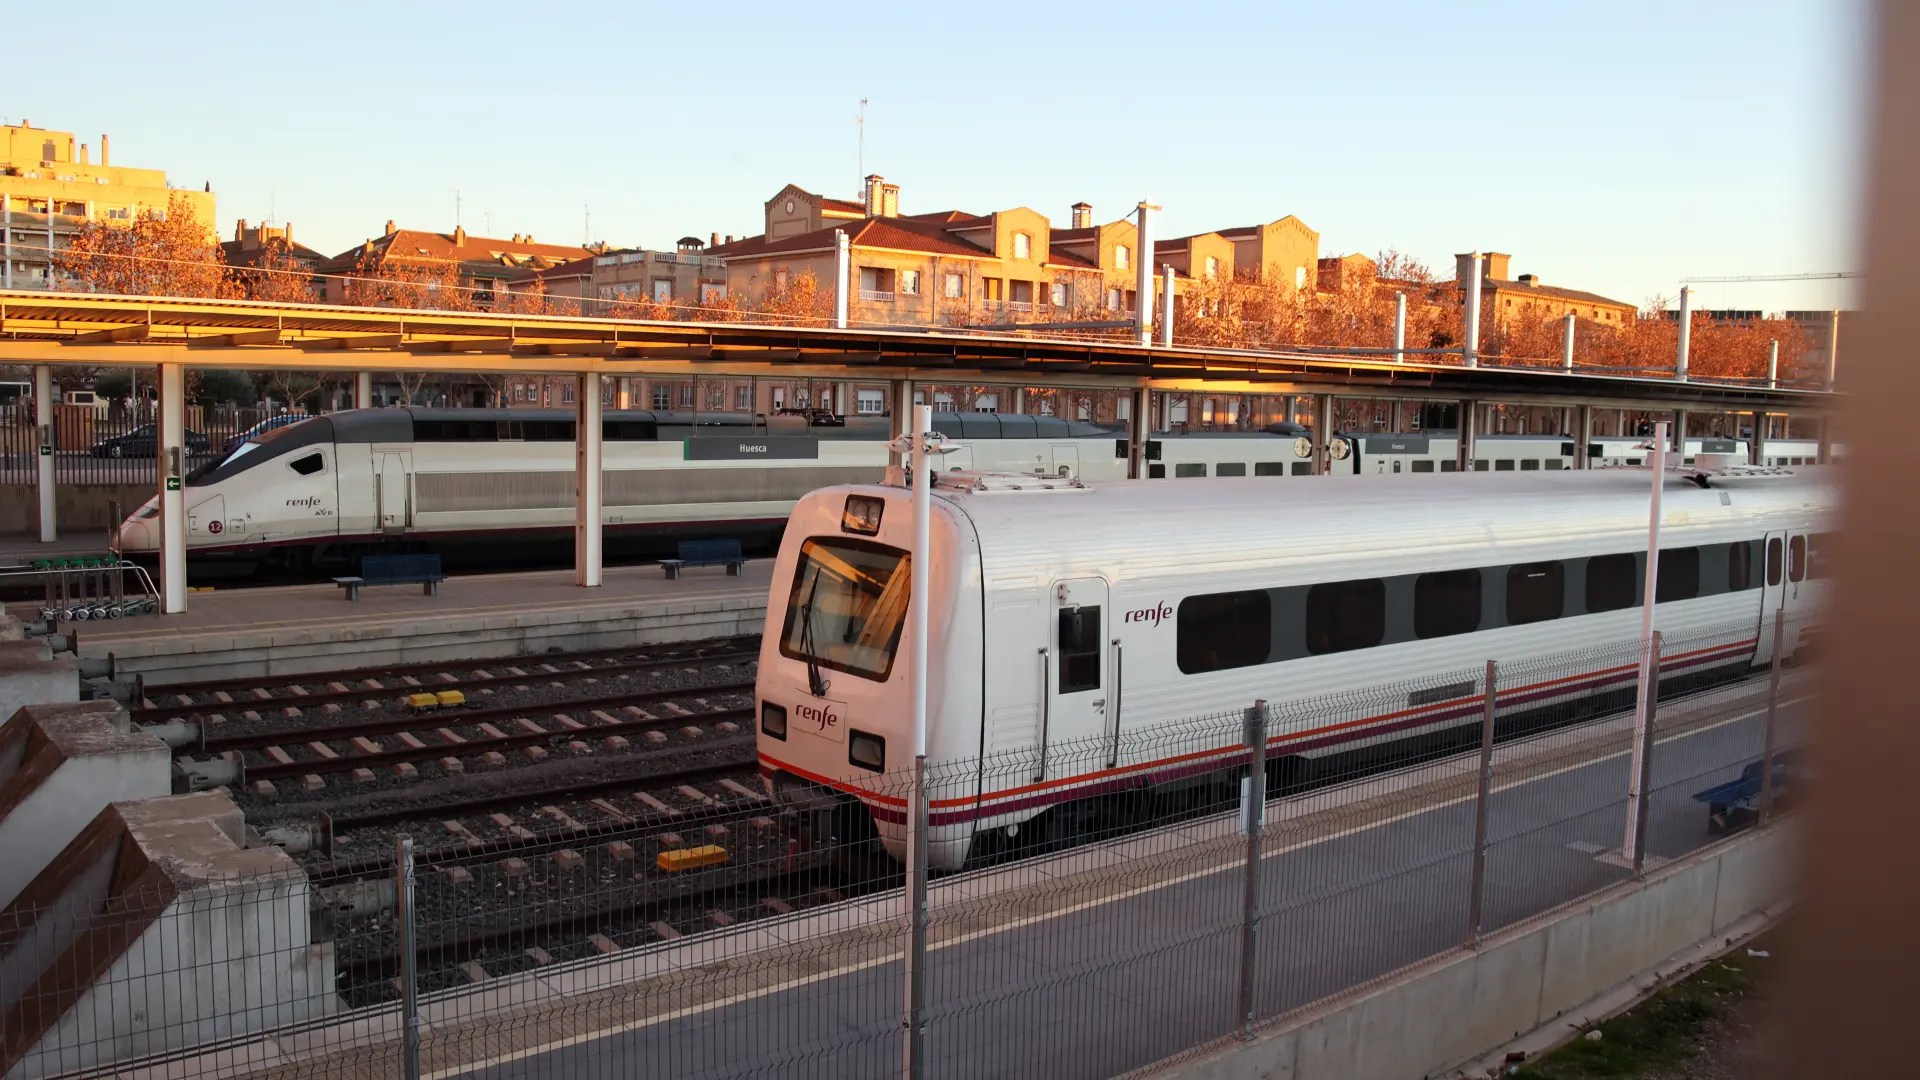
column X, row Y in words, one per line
column 1152, row 615
column 823, row 718
column 309, row 502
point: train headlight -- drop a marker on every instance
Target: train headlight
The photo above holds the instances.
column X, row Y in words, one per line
column 773, row 720
column 862, row 515
column 866, row 751
column 1303, row 447
column 1339, row 448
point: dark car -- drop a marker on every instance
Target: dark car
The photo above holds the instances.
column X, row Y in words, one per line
column 143, row 442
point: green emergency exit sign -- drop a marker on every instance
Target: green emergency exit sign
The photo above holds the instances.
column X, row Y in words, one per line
column 173, row 483
column 46, row 451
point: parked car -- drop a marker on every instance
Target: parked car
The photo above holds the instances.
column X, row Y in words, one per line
column 260, row 429
column 143, row 441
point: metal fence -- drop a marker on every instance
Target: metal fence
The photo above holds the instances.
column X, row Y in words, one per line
column 626, row 928
column 99, row 446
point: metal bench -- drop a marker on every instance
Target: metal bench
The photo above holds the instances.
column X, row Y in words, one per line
column 1737, row 802
column 705, row 553
column 422, row 570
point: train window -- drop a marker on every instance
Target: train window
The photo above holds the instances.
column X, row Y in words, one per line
column 1343, row 615
column 1480, row 465
column 1529, row 465
column 308, row 465
column 1739, row 566
column 1449, row 466
column 1503, row 465
column 1534, row 592
column 1773, row 561
column 629, row 431
column 1223, row 630
column 1796, row 558
column 848, row 602
column 1554, row 463
column 1819, row 555
column 1679, row 575
column 1303, row 468
column 1230, row 468
column 1269, row 468
column 1611, row 582
column 1080, row 645
column 1181, row 472
column 1422, row 465
column 1446, row 603
column 1156, row 471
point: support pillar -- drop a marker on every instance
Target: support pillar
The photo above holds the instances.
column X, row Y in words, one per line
column 842, row 278
column 1686, row 334
column 1464, row 449
column 1833, row 352
column 901, row 391
column 1757, row 445
column 1166, row 306
column 623, row 394
column 6, row 241
column 1584, row 432
column 363, row 390
column 1020, row 400
column 45, row 448
column 1826, row 439
column 1773, row 365
column 587, row 494
column 1679, row 447
column 171, row 466
column 1399, row 328
column 1470, row 316
column 1141, row 431
column 1323, row 434
column 1143, row 278
column 1566, row 346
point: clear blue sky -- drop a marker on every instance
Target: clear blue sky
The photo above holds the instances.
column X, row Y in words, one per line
column 1615, row 147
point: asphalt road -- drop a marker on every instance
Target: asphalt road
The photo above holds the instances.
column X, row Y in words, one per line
column 1121, row 984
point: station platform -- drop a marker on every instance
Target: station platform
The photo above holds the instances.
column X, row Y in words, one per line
column 290, row 630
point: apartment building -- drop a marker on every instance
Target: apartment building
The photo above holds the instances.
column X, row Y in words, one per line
column 50, row 189
column 1284, row 251
column 686, row 276
column 252, row 244
column 1527, row 297
column 486, row 265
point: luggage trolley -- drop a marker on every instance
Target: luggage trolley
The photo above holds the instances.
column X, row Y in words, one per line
column 93, row 587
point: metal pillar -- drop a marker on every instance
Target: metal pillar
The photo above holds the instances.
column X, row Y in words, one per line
column 408, row 948
column 170, row 463
column 46, row 448
column 1142, row 430
column 1649, row 652
column 6, row 241
column 1773, row 365
column 1477, row 887
column 1773, row 709
column 363, row 390
column 914, row 1051
column 1470, row 316
column 1323, row 424
column 1585, row 433
column 1833, row 348
column 1166, row 307
column 842, row 277
column 1757, row 445
column 1399, row 328
column 901, row 391
column 1143, row 274
column 1464, row 437
column 587, row 475
column 1679, row 444
column 1686, row 334
column 1253, row 819
column 1566, row 346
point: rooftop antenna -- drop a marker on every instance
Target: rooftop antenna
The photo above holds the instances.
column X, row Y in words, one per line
column 456, row 208
column 487, row 220
column 860, row 125
column 586, row 231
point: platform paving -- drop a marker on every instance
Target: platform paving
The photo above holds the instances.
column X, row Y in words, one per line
column 305, row 628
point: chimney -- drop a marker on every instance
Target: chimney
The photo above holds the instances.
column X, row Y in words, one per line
column 69, row 148
column 286, row 233
column 729, row 238
column 390, row 229
column 874, row 184
column 103, row 151
column 1529, row 279
column 1497, row 265
column 1082, row 215
column 83, row 153
column 240, row 230
column 459, row 236
column 715, row 241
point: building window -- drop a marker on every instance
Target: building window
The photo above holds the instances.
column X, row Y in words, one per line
column 1122, row 256
column 954, row 287
column 1534, row 592
column 743, row 397
column 779, row 398
column 990, row 289
column 711, row 294
column 1113, row 299
column 910, row 282
column 662, row 399
column 943, row 402
column 1223, row 630
column 871, row 402
column 987, row 403
column 1299, row 277
column 1062, row 295
column 662, row 290
column 1022, row 246
column 566, row 393
column 1213, row 267
column 686, row 396
column 780, row 280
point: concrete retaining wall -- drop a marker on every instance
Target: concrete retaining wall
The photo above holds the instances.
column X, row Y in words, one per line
column 1435, row 1016
column 76, row 507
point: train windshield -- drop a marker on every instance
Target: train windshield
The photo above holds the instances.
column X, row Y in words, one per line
column 848, row 602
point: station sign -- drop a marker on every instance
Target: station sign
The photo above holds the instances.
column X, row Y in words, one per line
column 752, row 448
column 1399, row 444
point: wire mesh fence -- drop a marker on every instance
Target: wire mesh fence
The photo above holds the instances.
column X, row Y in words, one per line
column 1112, row 908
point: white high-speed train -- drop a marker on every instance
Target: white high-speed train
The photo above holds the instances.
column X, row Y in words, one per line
column 1069, row 624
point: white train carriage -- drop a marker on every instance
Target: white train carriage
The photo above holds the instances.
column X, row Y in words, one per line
column 1065, row 618
column 327, row 488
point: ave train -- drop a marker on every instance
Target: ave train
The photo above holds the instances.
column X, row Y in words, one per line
column 1069, row 624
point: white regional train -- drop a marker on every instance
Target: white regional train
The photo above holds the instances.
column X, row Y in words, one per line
column 1069, row 623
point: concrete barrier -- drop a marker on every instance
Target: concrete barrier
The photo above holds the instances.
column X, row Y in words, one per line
column 77, row 508
column 31, row 675
column 1431, row 1018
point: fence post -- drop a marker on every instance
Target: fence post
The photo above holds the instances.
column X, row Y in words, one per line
column 1252, row 818
column 1773, row 709
column 1478, row 886
column 1645, row 797
column 917, row 932
column 409, row 978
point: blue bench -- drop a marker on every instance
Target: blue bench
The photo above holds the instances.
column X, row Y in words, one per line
column 705, row 553
column 422, row 570
column 1737, row 802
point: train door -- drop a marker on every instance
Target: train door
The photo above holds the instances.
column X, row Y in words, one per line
column 393, row 490
column 1076, row 702
column 1784, row 568
column 1066, row 459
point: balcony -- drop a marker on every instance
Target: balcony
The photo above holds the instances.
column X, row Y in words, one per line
column 878, row 296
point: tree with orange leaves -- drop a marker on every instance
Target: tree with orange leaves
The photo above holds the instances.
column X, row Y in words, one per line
column 159, row 253
column 407, row 285
column 276, row 275
column 800, row 301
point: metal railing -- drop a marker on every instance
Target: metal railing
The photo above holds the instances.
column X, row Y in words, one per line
column 112, row 446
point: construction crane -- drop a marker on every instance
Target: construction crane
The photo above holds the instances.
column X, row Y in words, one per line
column 1771, row 277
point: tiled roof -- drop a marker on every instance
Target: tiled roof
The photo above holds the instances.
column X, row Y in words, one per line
column 419, row 246
column 848, row 206
column 1551, row 292
column 1057, row 256
column 1067, row 236
column 895, row 233
column 944, row 217
column 236, row 256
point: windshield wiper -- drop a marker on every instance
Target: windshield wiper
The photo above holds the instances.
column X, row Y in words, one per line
column 816, row 683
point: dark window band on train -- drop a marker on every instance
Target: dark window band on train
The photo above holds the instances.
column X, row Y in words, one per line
column 1218, row 631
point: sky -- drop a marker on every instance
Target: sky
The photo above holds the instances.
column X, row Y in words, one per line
column 1618, row 148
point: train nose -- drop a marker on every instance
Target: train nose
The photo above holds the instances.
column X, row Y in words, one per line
column 136, row 536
